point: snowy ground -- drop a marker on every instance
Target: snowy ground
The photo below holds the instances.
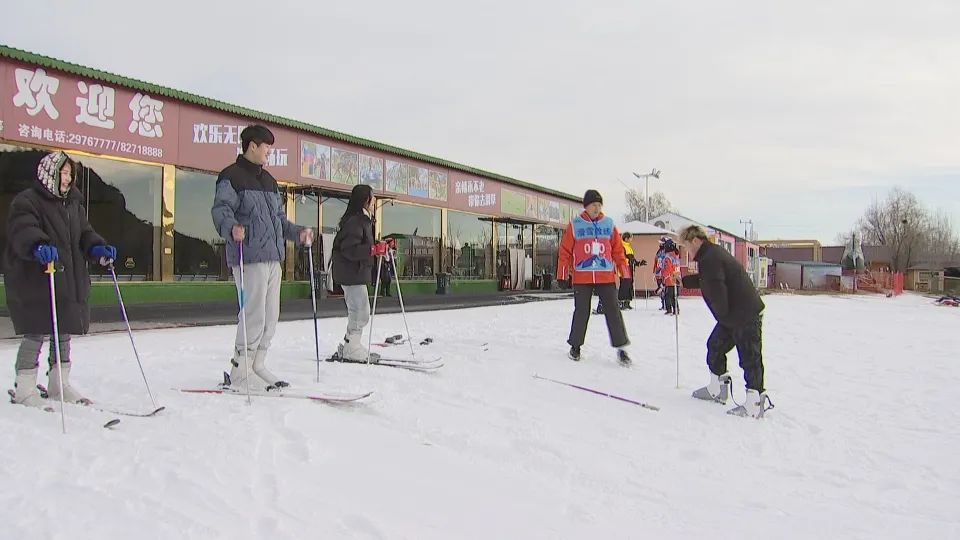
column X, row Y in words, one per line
column 863, row 442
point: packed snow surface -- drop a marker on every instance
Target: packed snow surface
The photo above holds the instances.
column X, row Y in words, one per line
column 864, row 441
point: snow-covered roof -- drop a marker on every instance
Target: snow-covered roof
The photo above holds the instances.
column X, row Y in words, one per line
column 639, row 227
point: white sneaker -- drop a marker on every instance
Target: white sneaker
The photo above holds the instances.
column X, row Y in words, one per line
column 70, row 394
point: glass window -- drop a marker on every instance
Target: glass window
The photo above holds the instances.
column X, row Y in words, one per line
column 469, row 245
column 123, row 206
column 333, row 209
column 306, row 214
column 417, row 231
column 509, row 236
column 198, row 249
column 548, row 248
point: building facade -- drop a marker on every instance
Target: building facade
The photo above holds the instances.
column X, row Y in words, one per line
column 149, row 157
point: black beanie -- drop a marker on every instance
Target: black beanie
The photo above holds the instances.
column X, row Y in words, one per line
column 592, row 196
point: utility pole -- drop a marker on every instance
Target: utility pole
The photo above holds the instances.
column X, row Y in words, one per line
column 646, row 207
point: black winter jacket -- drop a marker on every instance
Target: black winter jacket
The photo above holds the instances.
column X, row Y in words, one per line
column 38, row 216
column 727, row 289
column 352, row 262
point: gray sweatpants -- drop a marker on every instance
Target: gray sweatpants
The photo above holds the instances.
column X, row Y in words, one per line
column 261, row 305
column 29, row 353
column 358, row 308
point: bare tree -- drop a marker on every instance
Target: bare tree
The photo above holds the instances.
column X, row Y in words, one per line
column 911, row 232
column 636, row 203
column 941, row 242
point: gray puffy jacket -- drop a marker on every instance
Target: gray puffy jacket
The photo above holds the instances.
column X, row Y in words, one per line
column 247, row 195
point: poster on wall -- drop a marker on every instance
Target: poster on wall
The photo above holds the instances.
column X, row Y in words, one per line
column 532, row 209
column 345, row 167
column 314, row 160
column 408, row 175
column 512, row 202
column 371, row 171
column 543, row 210
column 554, row 213
column 420, row 185
column 438, row 186
column 395, row 180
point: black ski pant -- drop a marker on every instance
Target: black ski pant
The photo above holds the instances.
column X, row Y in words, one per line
column 626, row 289
column 670, row 298
column 748, row 341
column 582, row 296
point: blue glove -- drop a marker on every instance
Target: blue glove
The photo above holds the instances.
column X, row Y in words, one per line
column 45, row 253
column 104, row 252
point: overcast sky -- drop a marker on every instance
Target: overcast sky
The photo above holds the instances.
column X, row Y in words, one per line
column 794, row 115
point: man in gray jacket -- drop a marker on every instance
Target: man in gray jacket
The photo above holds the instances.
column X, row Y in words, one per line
column 248, row 210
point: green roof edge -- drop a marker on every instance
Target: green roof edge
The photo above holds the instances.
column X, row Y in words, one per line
column 84, row 71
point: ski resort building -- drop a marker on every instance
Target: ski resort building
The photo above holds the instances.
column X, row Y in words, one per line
column 149, row 158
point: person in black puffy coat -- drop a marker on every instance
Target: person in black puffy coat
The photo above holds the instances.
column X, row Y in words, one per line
column 735, row 304
column 354, row 252
column 47, row 224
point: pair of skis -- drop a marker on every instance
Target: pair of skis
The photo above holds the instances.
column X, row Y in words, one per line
column 91, row 406
column 399, row 363
column 400, row 340
column 327, row 397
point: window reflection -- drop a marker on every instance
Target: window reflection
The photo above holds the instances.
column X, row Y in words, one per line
column 306, row 214
column 548, row 245
column 469, row 245
column 123, row 206
column 417, row 231
column 198, row 249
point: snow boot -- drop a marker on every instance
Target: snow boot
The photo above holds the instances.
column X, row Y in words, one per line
column 718, row 389
column 354, row 350
column 236, row 380
column 26, row 392
column 260, row 368
column 574, row 354
column 623, row 358
column 755, row 405
column 70, row 394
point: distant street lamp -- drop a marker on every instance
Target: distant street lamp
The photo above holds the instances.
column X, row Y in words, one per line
column 646, row 207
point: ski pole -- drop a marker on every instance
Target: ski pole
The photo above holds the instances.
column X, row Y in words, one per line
column 403, row 311
column 313, row 300
column 376, row 293
column 126, row 320
column 243, row 323
column 676, row 326
column 55, row 339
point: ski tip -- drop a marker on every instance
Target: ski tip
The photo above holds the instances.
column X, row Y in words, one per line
column 112, row 423
column 158, row 410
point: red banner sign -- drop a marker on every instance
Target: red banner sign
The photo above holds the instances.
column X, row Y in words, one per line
column 53, row 108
